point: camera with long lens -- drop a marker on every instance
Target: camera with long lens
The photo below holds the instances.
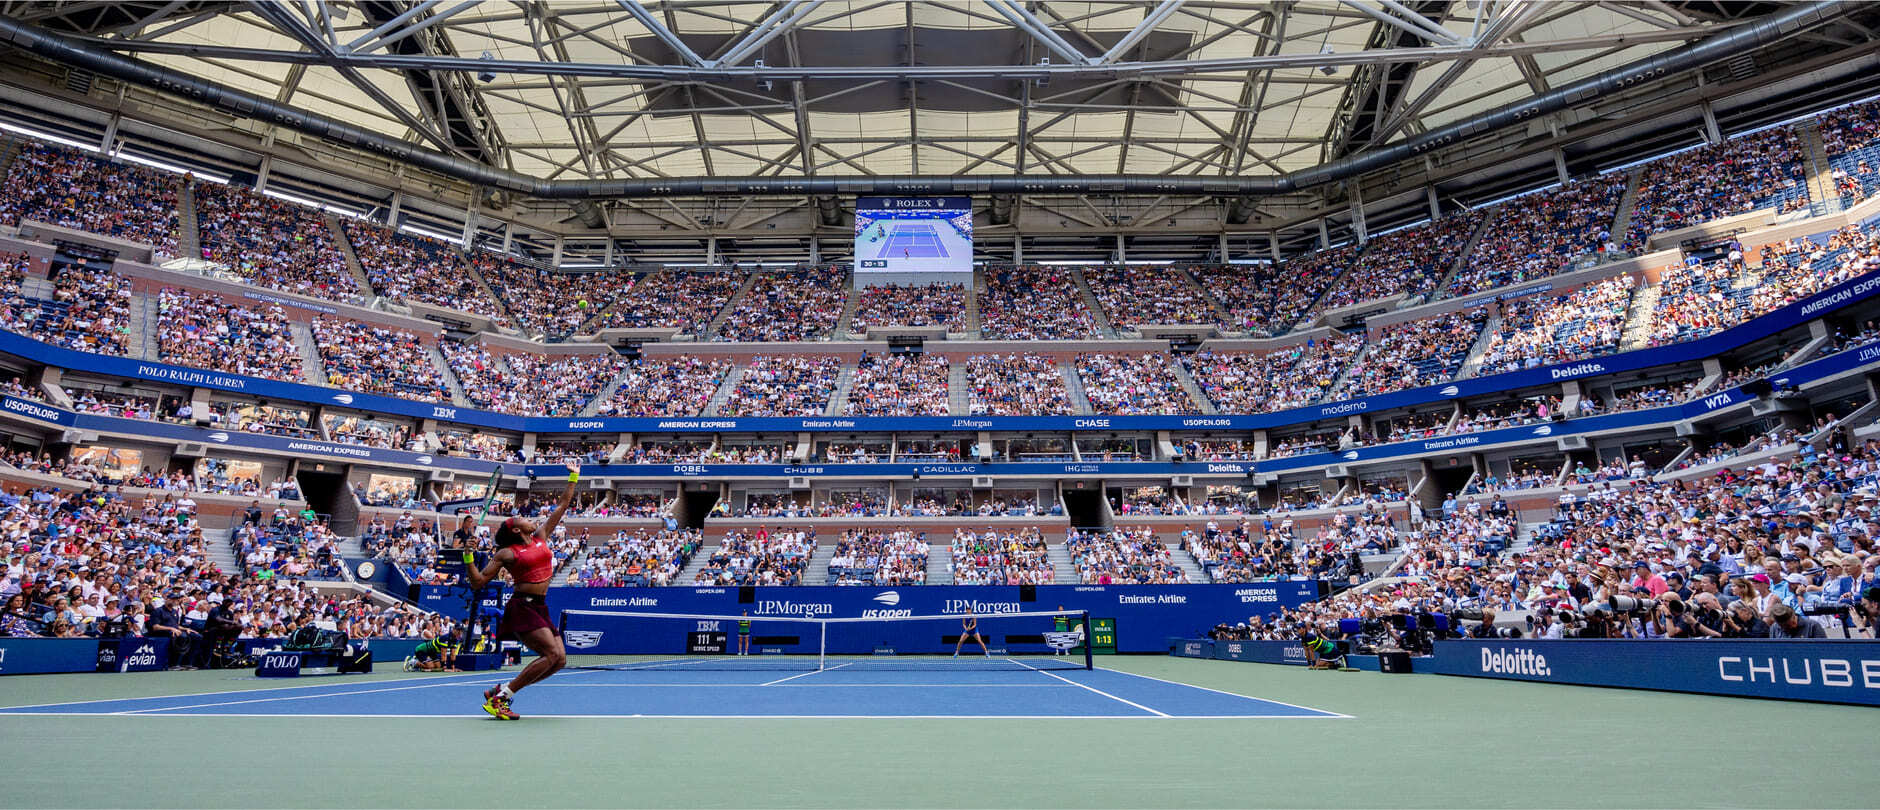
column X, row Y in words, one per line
column 1631, row 605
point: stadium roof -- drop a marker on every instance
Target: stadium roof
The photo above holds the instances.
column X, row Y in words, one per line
column 625, row 90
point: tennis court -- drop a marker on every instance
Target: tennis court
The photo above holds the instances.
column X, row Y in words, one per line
column 698, row 687
column 1403, row 740
column 913, row 240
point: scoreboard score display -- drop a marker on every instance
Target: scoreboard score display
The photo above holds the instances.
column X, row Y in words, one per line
column 913, row 234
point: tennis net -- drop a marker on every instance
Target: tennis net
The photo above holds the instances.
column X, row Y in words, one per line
column 1011, row 641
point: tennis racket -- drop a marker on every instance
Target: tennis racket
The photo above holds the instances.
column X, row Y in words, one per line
column 470, row 561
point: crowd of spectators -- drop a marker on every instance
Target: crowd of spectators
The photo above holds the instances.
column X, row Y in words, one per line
column 783, row 386
column 411, row 267
column 679, row 385
column 1747, row 552
column 898, row 385
column 1696, row 299
column 94, row 563
column 272, row 242
column 530, row 384
column 1741, row 174
column 1290, row 377
column 1016, row 385
column 551, row 303
column 884, row 557
column 1536, row 235
column 1271, row 299
column 636, row 557
column 72, row 189
column 1543, row 330
column 760, row 557
column 1132, row 296
column 1848, row 136
column 672, row 299
column 90, row 309
column 912, row 305
column 1413, row 353
column 1001, row 557
column 377, row 360
column 1034, row 303
column 1122, row 557
column 788, row 305
column 1133, row 384
column 205, row 331
column 1407, row 261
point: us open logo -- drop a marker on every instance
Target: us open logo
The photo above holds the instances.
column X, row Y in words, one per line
column 889, row 598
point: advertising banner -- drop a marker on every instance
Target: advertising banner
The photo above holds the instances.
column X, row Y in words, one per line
column 1833, row 671
column 1144, row 615
column 28, row 656
column 134, row 654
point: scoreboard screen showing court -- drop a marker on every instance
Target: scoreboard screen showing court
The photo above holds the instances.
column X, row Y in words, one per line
column 913, row 234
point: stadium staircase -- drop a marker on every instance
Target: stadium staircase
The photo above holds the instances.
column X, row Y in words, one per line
column 1089, row 296
column 189, row 235
column 1221, row 315
column 959, row 390
column 731, row 305
column 1638, row 319
column 695, row 565
column 1628, row 203
column 973, row 323
column 450, row 380
column 311, row 367
column 142, row 340
column 849, row 305
column 502, row 304
column 352, row 259
column 724, row 391
column 1345, row 372
column 9, row 149
column 1193, row 388
column 1062, row 571
column 817, row 572
column 1187, row 563
column 593, row 405
column 219, row 548
column 1074, row 386
column 568, row 567
column 845, row 380
column 939, row 564
column 1815, row 165
column 36, row 287
column 1462, row 257
column 1474, row 361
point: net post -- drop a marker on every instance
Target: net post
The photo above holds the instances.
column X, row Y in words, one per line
column 822, row 645
column 1090, row 641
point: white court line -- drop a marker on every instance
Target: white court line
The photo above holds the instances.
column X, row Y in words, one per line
column 455, row 676
column 807, row 674
column 702, row 716
column 1091, row 688
column 300, row 697
column 1323, row 713
column 818, row 685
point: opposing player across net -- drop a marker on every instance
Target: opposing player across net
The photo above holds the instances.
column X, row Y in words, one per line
column 1013, row 641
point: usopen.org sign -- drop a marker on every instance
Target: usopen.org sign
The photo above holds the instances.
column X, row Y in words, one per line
column 1834, row 671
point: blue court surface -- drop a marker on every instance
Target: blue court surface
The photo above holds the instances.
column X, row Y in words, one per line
column 681, row 688
column 912, row 240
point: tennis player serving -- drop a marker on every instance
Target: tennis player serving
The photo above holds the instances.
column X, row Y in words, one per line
column 522, row 550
